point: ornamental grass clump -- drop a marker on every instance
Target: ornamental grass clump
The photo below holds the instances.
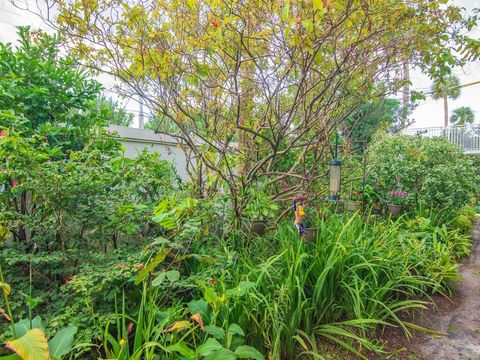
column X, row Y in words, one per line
column 354, row 278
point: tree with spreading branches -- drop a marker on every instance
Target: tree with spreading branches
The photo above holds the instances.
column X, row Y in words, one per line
column 256, row 89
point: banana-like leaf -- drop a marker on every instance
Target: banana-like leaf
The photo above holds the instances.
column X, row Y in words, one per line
column 31, row 346
column 62, row 342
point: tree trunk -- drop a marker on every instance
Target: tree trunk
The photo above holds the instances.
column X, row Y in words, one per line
column 406, row 92
column 445, row 106
column 22, row 233
column 246, row 145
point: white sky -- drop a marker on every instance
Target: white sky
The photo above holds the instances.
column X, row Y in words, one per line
column 428, row 113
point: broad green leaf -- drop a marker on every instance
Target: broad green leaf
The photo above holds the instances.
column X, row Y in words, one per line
column 159, row 279
column 234, row 329
column 62, row 342
column 201, row 258
column 5, row 287
column 178, row 325
column 210, row 296
column 142, row 274
column 317, row 4
column 216, row 331
column 248, row 352
column 208, row 347
column 162, row 316
column 285, row 12
column 31, row 346
column 32, row 301
column 201, row 307
column 173, row 275
column 242, row 288
column 22, row 326
column 222, row 354
column 181, row 348
column 7, row 115
column 166, row 220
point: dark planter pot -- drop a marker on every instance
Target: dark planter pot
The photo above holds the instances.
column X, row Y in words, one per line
column 394, row 210
column 255, row 227
column 311, row 235
column 353, row 205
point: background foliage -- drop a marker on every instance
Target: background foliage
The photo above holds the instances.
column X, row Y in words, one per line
column 433, row 171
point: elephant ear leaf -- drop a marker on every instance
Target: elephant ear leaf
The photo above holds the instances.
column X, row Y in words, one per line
column 248, row 352
column 61, row 344
column 31, row 346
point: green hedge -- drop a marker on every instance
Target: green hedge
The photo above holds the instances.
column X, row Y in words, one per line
column 433, row 171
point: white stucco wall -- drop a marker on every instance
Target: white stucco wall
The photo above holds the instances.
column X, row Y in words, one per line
column 135, row 140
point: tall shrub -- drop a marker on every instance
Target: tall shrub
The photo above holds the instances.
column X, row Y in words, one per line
column 433, row 171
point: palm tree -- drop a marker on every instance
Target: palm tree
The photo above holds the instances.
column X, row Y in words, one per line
column 446, row 87
column 463, row 115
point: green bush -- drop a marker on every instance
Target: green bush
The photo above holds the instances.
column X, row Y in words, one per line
column 434, row 172
column 45, row 93
column 74, row 216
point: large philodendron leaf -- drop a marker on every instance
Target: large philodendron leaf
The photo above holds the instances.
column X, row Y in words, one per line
column 22, row 326
column 31, row 346
column 62, row 342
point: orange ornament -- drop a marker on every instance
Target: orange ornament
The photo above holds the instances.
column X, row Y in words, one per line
column 214, row 23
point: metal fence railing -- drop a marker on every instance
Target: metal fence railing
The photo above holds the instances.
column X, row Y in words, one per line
column 466, row 137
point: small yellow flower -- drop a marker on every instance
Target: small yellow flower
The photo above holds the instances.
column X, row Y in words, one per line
column 222, row 298
column 122, row 342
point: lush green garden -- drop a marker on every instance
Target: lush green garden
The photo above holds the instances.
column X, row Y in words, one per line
column 123, row 266
column 104, row 256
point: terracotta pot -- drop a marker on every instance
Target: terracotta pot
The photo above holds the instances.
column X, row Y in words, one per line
column 311, row 235
column 352, row 205
column 394, row 209
column 255, row 227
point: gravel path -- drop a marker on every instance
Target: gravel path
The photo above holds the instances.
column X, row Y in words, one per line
column 460, row 320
